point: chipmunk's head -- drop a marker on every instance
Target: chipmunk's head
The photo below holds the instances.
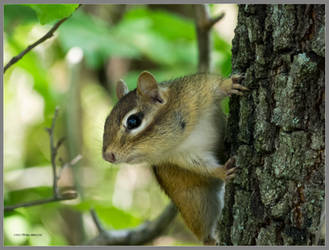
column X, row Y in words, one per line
column 130, row 129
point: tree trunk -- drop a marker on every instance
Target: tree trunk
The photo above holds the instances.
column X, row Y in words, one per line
column 277, row 130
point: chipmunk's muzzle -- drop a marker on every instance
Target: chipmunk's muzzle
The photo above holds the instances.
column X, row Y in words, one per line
column 109, row 156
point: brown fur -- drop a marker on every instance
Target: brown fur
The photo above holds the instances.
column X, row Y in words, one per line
column 189, row 95
column 198, row 197
column 194, row 195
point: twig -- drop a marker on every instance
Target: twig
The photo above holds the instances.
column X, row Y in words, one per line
column 53, row 152
column 69, row 164
column 214, row 20
column 48, row 35
column 68, row 195
column 135, row 236
column 97, row 222
column 203, row 25
column 60, row 142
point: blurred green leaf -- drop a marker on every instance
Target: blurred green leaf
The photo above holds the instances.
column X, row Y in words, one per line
column 15, row 14
column 168, row 25
column 33, row 65
column 85, row 205
column 51, row 12
column 164, row 38
column 95, row 38
column 116, row 218
column 12, row 213
column 28, row 194
column 111, row 216
column 37, row 152
column 140, row 33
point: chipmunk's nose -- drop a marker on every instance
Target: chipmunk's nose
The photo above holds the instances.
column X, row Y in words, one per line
column 109, row 156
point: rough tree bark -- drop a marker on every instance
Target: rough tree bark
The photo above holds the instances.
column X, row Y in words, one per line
column 277, row 131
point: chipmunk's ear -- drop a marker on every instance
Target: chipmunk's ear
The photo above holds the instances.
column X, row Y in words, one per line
column 148, row 88
column 121, row 89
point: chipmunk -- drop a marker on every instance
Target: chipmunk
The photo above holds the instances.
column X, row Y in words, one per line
column 178, row 128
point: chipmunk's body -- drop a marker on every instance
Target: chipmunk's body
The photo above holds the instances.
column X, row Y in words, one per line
column 178, row 128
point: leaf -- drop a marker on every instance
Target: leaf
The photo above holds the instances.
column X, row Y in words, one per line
column 163, row 37
column 116, row 218
column 144, row 31
column 95, row 38
column 51, row 12
column 33, row 65
column 109, row 215
column 27, row 195
column 169, row 25
column 140, row 33
column 17, row 14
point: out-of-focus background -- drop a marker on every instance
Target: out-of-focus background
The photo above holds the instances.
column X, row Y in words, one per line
column 76, row 70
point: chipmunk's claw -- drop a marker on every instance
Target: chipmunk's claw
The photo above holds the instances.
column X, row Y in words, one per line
column 237, row 77
column 237, row 88
column 229, row 169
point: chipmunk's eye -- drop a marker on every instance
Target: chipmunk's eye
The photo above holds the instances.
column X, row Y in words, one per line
column 133, row 121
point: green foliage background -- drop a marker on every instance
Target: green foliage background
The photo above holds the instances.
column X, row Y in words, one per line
column 166, row 41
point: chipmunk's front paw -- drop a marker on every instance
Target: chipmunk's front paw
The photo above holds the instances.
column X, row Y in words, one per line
column 227, row 171
column 237, row 88
column 236, row 78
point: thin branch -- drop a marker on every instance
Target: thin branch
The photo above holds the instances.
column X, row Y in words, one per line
column 97, row 222
column 204, row 23
column 60, row 142
column 53, row 152
column 135, row 236
column 69, row 164
column 214, row 20
column 71, row 196
column 48, row 35
column 67, row 195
